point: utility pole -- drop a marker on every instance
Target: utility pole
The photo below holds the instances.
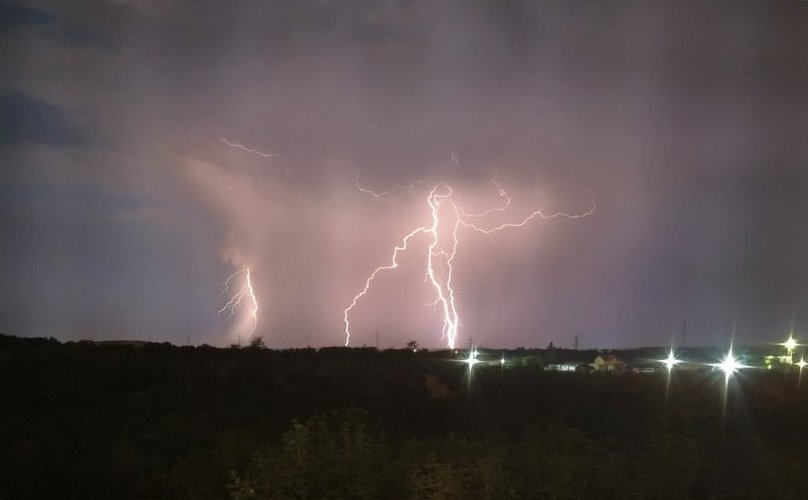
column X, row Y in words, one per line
column 576, row 341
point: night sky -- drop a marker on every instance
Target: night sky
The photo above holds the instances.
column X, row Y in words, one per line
column 124, row 210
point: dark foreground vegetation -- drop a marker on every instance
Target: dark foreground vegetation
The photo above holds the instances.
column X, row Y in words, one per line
column 115, row 421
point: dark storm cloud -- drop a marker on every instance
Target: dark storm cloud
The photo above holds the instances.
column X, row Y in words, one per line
column 13, row 15
column 685, row 119
column 28, row 120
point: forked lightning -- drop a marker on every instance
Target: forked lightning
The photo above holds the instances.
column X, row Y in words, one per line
column 440, row 255
column 243, row 293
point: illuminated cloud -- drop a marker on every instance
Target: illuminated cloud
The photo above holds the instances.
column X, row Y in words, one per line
column 131, row 100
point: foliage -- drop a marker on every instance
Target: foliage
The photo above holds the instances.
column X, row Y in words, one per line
column 139, row 420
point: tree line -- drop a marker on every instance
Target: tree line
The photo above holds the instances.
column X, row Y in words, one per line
column 141, row 420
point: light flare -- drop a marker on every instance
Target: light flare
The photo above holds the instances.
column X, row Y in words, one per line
column 800, row 364
column 670, row 361
column 790, row 344
column 729, row 365
column 472, row 360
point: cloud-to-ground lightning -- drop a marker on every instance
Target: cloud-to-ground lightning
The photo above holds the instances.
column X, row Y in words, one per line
column 441, row 254
column 256, row 152
column 239, row 285
column 443, row 284
column 393, row 264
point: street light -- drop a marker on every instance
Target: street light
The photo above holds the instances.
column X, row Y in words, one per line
column 670, row 361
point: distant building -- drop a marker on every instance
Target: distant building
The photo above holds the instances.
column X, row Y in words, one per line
column 777, row 361
column 608, row 363
column 643, row 366
column 562, row 367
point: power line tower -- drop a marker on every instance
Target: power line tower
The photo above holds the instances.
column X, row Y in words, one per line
column 576, row 341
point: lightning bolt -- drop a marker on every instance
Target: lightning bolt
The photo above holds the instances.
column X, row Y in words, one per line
column 244, row 292
column 440, row 255
column 393, row 264
column 256, row 152
column 384, row 194
column 532, row 215
column 501, row 193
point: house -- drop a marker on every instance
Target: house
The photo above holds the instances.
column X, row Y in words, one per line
column 608, row 363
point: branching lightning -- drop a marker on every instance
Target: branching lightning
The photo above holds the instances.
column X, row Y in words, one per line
column 393, row 264
column 501, row 193
column 533, row 215
column 256, row 152
column 384, row 194
column 441, row 253
column 243, row 293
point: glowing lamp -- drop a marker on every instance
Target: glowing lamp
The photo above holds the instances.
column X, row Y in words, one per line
column 670, row 361
column 790, row 344
column 472, row 359
column 729, row 365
